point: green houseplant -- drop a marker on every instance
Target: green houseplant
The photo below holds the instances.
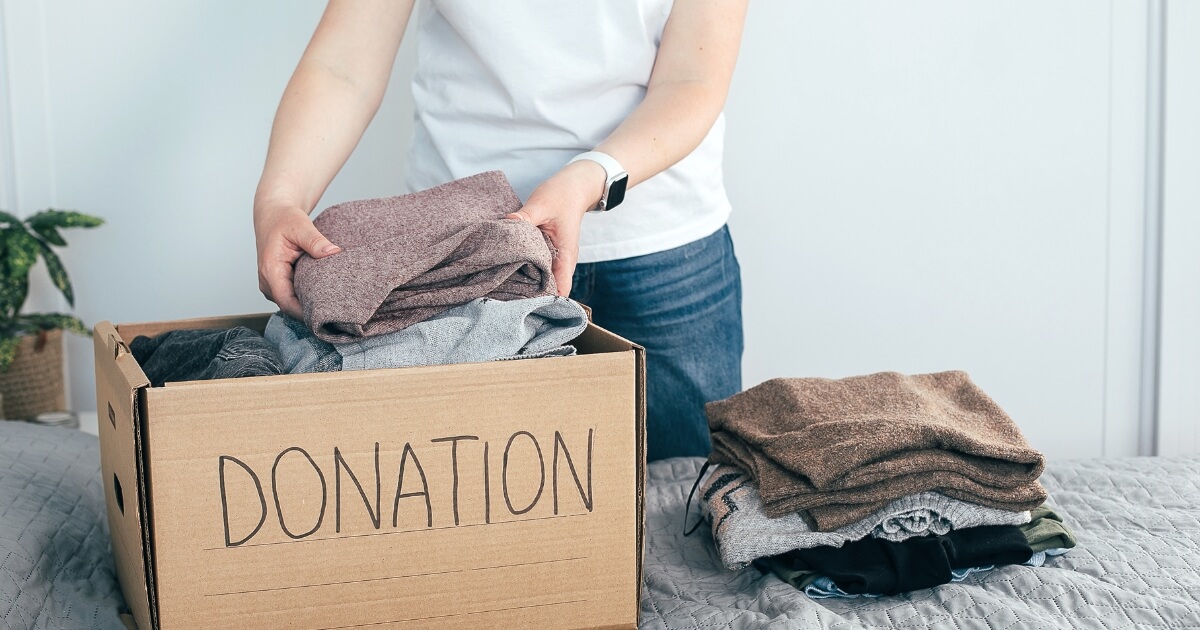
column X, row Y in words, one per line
column 31, row 343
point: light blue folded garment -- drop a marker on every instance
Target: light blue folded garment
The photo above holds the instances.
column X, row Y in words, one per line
column 825, row 588
column 480, row 330
column 301, row 351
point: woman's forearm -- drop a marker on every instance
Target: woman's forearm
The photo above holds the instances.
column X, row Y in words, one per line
column 331, row 98
column 687, row 88
column 668, row 125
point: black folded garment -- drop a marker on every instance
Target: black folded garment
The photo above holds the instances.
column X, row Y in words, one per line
column 878, row 566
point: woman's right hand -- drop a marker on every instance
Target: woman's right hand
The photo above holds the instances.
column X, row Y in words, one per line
column 282, row 234
column 332, row 96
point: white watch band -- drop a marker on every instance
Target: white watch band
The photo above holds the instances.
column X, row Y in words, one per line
column 612, row 168
column 615, row 178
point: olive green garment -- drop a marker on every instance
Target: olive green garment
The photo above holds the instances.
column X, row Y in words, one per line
column 798, row 578
column 1045, row 530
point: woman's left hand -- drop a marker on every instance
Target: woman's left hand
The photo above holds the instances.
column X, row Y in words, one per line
column 557, row 207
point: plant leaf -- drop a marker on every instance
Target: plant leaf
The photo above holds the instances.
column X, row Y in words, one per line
column 21, row 250
column 8, row 351
column 13, row 291
column 49, row 233
column 8, row 218
column 33, row 322
column 63, row 219
column 58, row 273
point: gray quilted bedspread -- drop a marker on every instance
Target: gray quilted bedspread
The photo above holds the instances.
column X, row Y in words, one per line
column 55, row 567
column 1137, row 564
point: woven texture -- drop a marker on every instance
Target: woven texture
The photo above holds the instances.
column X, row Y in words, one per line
column 1137, row 565
column 33, row 383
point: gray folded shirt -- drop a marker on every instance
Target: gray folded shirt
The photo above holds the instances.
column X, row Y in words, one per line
column 743, row 531
column 480, row 330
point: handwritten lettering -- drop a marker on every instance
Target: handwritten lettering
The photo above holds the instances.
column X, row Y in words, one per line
column 454, row 463
column 275, row 491
column 225, row 501
column 587, row 498
column 404, row 495
column 541, row 470
column 338, row 464
column 522, row 461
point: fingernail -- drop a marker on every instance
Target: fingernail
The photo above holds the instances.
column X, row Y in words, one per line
column 330, row 249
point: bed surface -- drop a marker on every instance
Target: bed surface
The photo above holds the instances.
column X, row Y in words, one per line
column 1137, row 564
column 55, row 567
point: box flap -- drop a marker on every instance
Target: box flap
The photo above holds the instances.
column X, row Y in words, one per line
column 119, row 386
column 255, row 321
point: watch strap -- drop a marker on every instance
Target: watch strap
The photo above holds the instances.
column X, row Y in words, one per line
column 613, row 172
column 612, row 168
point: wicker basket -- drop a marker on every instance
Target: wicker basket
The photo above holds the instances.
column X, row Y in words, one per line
column 34, row 382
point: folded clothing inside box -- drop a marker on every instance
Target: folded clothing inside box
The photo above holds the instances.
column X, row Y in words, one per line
column 405, row 259
column 431, row 278
column 480, row 330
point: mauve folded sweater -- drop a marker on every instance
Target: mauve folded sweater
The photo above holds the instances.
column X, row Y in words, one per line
column 842, row 449
column 405, row 259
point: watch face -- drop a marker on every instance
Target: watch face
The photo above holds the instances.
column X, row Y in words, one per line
column 616, row 192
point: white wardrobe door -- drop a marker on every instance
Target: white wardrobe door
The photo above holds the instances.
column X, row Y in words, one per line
column 1179, row 369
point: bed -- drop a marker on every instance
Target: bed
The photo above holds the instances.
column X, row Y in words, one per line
column 1137, row 521
column 55, row 567
column 1137, row 564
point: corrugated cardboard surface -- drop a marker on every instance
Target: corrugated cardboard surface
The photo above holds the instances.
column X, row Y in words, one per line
column 276, row 499
column 119, row 379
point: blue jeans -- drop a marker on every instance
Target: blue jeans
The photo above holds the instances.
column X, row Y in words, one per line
column 685, row 306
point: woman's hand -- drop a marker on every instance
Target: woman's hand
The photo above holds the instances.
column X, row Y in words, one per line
column 282, row 234
column 557, row 207
column 335, row 91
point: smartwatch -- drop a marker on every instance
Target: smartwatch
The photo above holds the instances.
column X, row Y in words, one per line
column 615, row 179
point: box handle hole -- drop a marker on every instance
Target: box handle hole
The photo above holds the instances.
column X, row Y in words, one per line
column 119, row 495
column 112, row 416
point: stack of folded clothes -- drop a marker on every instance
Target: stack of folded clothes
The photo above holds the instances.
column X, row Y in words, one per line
column 875, row 485
column 434, row 277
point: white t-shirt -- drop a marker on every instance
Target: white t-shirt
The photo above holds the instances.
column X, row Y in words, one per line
column 524, row 86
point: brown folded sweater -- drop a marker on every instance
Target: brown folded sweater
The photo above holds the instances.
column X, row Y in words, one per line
column 840, row 449
column 405, row 259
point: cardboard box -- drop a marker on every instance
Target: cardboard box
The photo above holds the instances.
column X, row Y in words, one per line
column 486, row 495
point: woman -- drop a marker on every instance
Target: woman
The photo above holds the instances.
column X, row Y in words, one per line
column 565, row 97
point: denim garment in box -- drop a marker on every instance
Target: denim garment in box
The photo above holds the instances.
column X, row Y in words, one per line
column 193, row 355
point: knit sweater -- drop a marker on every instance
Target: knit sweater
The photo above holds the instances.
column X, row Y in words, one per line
column 405, row 259
column 842, row 449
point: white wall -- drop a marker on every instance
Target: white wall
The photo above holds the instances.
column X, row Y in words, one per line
column 156, row 117
column 923, row 186
column 917, row 186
